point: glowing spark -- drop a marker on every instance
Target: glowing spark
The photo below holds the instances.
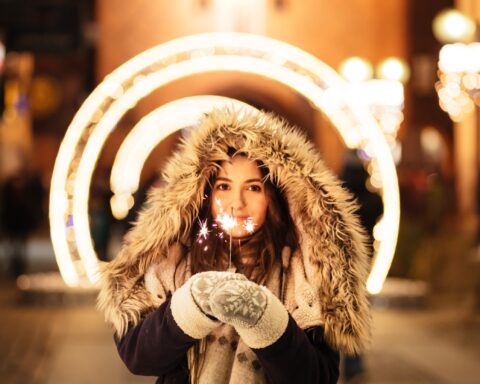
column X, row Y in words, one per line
column 249, row 225
column 203, row 232
column 226, row 221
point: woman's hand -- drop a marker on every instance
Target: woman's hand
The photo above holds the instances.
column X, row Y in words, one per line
column 256, row 313
column 238, row 302
column 203, row 284
column 190, row 304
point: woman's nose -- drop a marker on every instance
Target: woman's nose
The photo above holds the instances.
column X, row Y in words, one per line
column 237, row 200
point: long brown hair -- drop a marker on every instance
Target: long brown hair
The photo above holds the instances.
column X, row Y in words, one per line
column 278, row 231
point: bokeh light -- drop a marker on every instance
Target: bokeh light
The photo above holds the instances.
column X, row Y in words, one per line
column 355, row 69
column 451, row 25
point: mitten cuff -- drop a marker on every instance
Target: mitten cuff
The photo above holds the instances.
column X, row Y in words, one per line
column 189, row 316
column 269, row 328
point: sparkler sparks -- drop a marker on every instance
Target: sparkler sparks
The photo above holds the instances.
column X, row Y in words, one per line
column 203, row 232
column 227, row 221
column 249, row 225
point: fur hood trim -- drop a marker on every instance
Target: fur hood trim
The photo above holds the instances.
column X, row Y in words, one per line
column 332, row 242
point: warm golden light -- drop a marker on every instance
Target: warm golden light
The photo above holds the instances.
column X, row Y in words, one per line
column 459, row 75
column 123, row 88
column 356, row 69
column 451, row 26
column 151, row 130
column 432, row 142
column 393, row 69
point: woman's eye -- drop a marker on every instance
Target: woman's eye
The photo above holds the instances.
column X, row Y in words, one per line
column 255, row 188
column 222, row 187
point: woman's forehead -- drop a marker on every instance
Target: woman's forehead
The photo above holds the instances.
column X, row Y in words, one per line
column 238, row 167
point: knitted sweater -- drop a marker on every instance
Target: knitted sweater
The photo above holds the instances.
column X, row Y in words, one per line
column 227, row 358
column 157, row 346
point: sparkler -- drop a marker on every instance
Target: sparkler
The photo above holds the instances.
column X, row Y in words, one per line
column 230, row 253
column 203, row 230
column 228, row 223
column 249, row 225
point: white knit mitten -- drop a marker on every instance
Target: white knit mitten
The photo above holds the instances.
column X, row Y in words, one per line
column 190, row 303
column 255, row 312
column 203, row 283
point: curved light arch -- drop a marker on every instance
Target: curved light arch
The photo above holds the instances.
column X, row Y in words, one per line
column 145, row 135
column 197, row 54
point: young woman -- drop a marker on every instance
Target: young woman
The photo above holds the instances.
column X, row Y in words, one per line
column 248, row 266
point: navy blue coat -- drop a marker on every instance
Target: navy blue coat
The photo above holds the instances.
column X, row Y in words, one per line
column 158, row 347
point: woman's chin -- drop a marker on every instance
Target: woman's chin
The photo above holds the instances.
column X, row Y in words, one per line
column 242, row 233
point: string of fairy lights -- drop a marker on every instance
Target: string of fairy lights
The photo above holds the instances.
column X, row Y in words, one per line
column 458, row 87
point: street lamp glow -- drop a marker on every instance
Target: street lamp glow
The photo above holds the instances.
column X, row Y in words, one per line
column 355, row 69
column 451, row 26
column 394, row 69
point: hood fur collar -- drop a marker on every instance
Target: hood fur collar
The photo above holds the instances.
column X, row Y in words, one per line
column 332, row 242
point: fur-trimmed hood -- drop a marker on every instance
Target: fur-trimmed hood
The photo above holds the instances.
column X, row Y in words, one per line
column 332, row 242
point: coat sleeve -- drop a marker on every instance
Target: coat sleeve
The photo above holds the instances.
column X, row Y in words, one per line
column 299, row 357
column 156, row 346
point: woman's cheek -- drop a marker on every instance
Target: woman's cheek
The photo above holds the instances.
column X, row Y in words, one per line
column 217, row 203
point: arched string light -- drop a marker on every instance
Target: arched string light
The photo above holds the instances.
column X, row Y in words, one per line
column 145, row 136
column 180, row 58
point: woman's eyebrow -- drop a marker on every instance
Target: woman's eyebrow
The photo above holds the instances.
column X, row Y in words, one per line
column 256, row 180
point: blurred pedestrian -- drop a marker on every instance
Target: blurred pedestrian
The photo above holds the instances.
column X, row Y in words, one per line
column 22, row 211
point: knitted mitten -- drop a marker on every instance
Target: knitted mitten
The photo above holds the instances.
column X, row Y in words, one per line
column 203, row 283
column 255, row 312
column 189, row 304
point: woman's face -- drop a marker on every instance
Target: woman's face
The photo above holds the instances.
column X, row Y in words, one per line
column 238, row 191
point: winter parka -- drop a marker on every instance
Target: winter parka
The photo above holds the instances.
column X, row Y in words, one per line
column 327, row 273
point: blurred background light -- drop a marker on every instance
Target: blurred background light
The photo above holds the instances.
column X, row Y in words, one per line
column 236, row 52
column 432, row 142
column 356, row 69
column 451, row 25
column 147, row 134
column 393, row 68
